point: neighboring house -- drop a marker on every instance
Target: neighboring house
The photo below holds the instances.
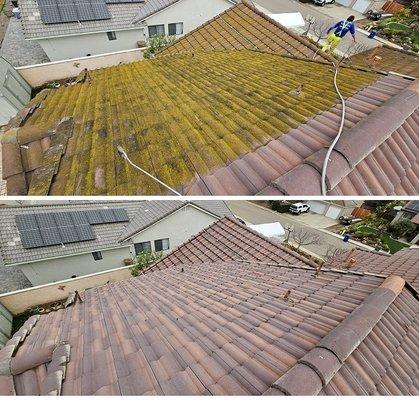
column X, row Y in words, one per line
column 15, row 93
column 333, row 209
column 411, row 212
column 235, row 122
column 67, row 32
column 228, row 313
column 362, row 5
column 53, row 255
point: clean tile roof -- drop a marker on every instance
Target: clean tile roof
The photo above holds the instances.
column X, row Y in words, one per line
column 404, row 263
column 123, row 16
column 245, row 27
column 390, row 60
column 225, row 122
column 228, row 240
column 107, row 235
column 223, row 327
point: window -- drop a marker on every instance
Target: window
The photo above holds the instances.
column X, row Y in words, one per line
column 140, row 247
column 97, row 255
column 176, row 29
column 111, row 35
column 161, row 245
column 155, row 30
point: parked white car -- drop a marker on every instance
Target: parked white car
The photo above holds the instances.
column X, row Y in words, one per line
column 299, row 208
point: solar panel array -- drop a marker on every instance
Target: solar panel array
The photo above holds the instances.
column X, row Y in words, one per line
column 49, row 229
column 59, row 11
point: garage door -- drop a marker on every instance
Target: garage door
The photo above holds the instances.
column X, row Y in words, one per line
column 345, row 3
column 361, row 5
column 317, row 207
column 333, row 212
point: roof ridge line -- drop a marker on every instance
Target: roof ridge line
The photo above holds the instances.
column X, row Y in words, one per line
column 344, row 157
column 322, row 362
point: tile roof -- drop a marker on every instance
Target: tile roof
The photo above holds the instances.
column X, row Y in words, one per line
column 404, row 263
column 217, row 328
column 150, row 212
column 211, row 324
column 234, row 122
column 107, row 235
column 244, row 27
column 123, row 16
column 391, row 60
column 229, row 240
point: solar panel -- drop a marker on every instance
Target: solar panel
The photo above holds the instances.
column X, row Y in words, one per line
column 94, row 217
column 61, row 11
column 107, row 216
column 50, row 236
column 85, row 232
column 63, row 219
column 68, row 234
column 26, row 221
column 45, row 220
column 120, row 215
column 79, row 218
column 31, row 238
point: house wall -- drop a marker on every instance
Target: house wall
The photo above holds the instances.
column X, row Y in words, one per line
column 177, row 227
column 329, row 210
column 15, row 93
column 66, row 47
column 6, row 320
column 39, row 74
column 47, row 271
column 191, row 12
column 19, row 301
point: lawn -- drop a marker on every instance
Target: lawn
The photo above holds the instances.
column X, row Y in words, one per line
column 393, row 245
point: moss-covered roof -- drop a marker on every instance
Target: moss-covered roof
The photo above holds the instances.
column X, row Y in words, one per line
column 245, row 27
column 176, row 117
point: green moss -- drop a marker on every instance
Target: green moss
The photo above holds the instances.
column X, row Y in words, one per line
column 180, row 115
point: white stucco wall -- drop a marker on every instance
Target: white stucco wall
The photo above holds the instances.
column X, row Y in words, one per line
column 58, row 269
column 63, row 48
column 191, row 12
column 177, row 227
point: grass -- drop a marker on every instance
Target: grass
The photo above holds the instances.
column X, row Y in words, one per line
column 393, row 244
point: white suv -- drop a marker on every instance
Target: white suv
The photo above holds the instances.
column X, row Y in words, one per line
column 299, row 208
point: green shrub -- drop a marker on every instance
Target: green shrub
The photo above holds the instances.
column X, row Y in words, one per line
column 155, row 43
column 279, row 206
column 401, row 228
column 143, row 260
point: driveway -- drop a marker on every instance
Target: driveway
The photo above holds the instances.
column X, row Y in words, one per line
column 255, row 214
column 330, row 13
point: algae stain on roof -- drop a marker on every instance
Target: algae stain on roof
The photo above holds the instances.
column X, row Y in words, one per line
column 183, row 115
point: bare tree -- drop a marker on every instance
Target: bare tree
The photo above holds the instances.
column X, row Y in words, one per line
column 332, row 253
column 319, row 30
column 352, row 50
column 304, row 238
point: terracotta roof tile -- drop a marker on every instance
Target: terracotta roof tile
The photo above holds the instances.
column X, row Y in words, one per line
column 247, row 118
column 245, row 27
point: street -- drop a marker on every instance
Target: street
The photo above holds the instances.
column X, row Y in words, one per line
column 257, row 215
column 331, row 13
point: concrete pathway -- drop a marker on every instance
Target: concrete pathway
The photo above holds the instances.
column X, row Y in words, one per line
column 330, row 14
column 255, row 214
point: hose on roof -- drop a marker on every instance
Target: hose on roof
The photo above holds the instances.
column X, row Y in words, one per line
column 124, row 155
column 342, row 122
